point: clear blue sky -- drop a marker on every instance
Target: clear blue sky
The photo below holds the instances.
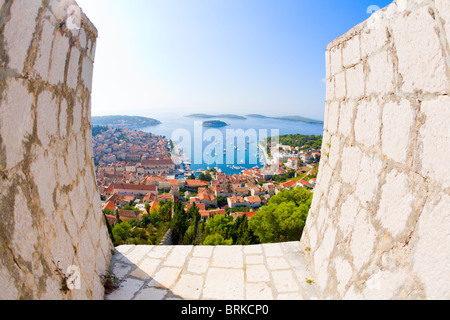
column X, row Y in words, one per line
column 216, row 56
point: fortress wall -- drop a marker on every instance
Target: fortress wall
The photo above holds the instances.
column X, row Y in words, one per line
column 380, row 219
column 50, row 215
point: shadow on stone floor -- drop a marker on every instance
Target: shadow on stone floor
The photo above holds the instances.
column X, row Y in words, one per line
column 259, row 272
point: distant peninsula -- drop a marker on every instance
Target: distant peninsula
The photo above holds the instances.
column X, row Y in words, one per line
column 288, row 118
column 128, row 122
column 260, row 116
column 215, row 124
column 221, row 116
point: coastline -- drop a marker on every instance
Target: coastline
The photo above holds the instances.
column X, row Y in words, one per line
column 266, row 156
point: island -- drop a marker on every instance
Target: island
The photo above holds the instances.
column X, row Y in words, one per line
column 215, row 124
column 220, row 116
column 128, row 122
column 259, row 116
column 288, row 118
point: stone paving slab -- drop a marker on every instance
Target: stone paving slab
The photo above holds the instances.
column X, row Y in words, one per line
column 258, row 272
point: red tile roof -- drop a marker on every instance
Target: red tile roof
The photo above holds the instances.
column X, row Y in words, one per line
column 196, row 183
column 254, row 199
column 157, row 162
column 134, row 187
column 110, row 205
column 111, row 219
column 200, row 206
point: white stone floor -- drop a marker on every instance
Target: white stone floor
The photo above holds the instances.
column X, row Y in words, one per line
column 260, row 272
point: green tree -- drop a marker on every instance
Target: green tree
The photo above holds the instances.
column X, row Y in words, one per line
column 193, row 219
column 145, row 221
column 221, row 201
column 165, row 210
column 242, row 234
column 122, row 232
column 205, row 177
column 108, row 225
column 179, row 223
column 217, row 240
column 284, row 218
column 219, row 224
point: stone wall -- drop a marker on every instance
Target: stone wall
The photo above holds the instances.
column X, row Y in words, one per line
column 53, row 236
column 380, row 219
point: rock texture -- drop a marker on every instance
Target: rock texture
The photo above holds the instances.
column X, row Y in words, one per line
column 380, row 219
column 54, row 242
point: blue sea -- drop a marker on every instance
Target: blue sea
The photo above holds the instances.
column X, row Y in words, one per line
column 232, row 148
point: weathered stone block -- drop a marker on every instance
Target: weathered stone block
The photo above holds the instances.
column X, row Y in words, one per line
column 349, row 211
column 224, row 284
column 177, row 257
column 72, row 74
column 374, row 37
column 420, row 59
column 330, row 89
column 368, row 180
column 383, row 285
column 203, row 251
column 87, row 73
column 277, row 263
column 396, row 203
column 47, row 122
column 23, row 221
column 258, row 291
column 355, row 82
column 16, row 120
column 431, row 245
column 335, row 152
column 336, row 60
column 380, row 80
column 351, row 52
column 189, row 287
column 257, row 273
column 198, row 265
column 229, row 257
column 42, row 62
column 58, row 59
column 443, row 7
column 340, row 86
column 19, row 32
column 165, row 278
column 344, row 273
column 434, row 140
column 332, row 117
column 346, row 117
column 363, row 239
column 368, row 123
column 127, row 290
column 285, row 281
column 398, row 122
column 351, row 159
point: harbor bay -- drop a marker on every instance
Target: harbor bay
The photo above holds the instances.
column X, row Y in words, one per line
column 230, row 149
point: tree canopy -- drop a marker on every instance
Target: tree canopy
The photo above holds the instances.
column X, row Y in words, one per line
column 284, row 217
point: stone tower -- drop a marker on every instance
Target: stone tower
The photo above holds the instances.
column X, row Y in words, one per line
column 54, row 242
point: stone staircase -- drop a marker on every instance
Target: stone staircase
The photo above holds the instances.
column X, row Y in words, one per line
column 258, row 272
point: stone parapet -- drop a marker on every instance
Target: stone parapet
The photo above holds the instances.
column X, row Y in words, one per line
column 54, row 242
column 378, row 227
